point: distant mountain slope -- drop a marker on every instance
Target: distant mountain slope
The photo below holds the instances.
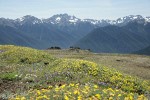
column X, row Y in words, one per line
column 9, row 35
column 64, row 30
column 145, row 51
column 45, row 32
column 32, row 27
column 116, row 39
column 70, row 24
column 140, row 29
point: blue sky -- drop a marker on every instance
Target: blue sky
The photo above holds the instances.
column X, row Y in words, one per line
column 94, row 9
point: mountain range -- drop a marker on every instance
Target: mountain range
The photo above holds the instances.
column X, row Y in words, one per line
column 124, row 39
column 124, row 35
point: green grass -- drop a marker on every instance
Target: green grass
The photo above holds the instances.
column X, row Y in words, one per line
column 8, row 76
column 23, row 55
column 34, row 69
column 126, row 63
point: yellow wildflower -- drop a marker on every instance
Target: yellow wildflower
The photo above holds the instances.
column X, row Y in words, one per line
column 63, row 86
column 39, row 98
column 130, row 97
column 57, row 89
column 117, row 90
column 76, row 92
column 45, row 90
column 95, row 86
column 87, row 88
column 77, row 85
column 23, row 98
column 17, row 98
column 79, row 97
column 45, row 97
column 98, row 96
column 141, row 97
column 50, row 87
column 84, row 91
column 110, row 98
column 119, row 95
column 66, row 97
column 71, row 84
column 111, row 94
column 38, row 92
column 110, row 89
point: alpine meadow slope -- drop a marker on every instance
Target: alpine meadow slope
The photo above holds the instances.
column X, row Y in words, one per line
column 33, row 74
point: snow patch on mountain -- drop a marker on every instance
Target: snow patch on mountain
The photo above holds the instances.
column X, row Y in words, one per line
column 28, row 19
column 65, row 20
column 91, row 21
column 147, row 19
column 58, row 19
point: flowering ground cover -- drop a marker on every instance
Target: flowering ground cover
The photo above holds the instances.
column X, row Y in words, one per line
column 34, row 74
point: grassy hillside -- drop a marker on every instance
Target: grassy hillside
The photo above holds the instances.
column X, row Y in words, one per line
column 27, row 73
column 135, row 65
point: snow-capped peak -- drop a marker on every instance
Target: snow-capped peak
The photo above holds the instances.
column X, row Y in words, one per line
column 147, row 19
column 29, row 19
column 73, row 19
column 127, row 19
column 92, row 21
column 65, row 20
column 58, row 19
column 62, row 19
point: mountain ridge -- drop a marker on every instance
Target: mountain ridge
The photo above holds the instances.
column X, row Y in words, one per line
column 63, row 30
column 60, row 18
column 115, row 39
